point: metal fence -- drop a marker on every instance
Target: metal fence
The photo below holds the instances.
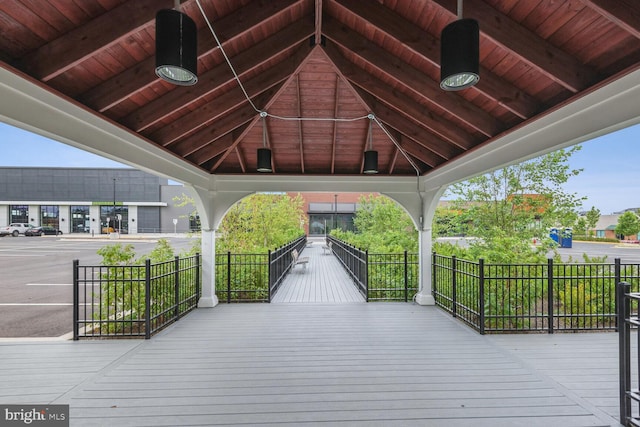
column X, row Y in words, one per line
column 254, row 277
column 135, row 300
column 629, row 385
column 379, row 277
column 354, row 261
column 530, row 297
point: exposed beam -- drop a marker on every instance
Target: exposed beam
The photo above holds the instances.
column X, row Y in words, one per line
column 300, row 134
column 427, row 46
column 221, row 127
column 530, row 48
column 139, row 77
column 318, row 22
column 229, row 101
column 219, row 75
column 626, row 17
column 98, row 34
column 400, row 102
column 425, row 155
column 411, row 78
column 267, row 101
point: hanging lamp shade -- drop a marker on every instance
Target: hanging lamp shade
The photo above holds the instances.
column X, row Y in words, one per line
column 264, row 160
column 460, row 55
column 176, row 48
column 370, row 162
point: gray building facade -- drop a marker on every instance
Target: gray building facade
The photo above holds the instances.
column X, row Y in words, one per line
column 96, row 201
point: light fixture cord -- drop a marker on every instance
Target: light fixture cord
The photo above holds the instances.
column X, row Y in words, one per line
column 404, row 153
column 459, row 9
column 371, row 133
column 176, row 5
column 265, row 134
column 246, row 95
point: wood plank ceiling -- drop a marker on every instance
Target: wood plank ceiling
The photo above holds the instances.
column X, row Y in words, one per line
column 321, row 59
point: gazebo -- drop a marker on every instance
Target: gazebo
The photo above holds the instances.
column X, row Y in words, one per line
column 401, row 97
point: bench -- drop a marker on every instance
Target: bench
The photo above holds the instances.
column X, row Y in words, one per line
column 299, row 261
column 327, row 248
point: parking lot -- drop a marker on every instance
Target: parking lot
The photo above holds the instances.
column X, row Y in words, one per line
column 36, row 275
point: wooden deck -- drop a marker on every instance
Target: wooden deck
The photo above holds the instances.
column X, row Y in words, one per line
column 377, row 364
column 323, row 280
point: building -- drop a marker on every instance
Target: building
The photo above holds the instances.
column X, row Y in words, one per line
column 96, row 201
column 129, row 201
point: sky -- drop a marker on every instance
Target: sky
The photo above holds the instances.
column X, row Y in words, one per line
column 610, row 179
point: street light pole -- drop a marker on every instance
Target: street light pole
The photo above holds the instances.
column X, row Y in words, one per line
column 335, row 211
column 114, row 204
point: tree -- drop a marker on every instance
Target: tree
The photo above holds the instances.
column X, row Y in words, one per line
column 512, row 206
column 261, row 222
column 593, row 216
column 628, row 224
column 382, row 226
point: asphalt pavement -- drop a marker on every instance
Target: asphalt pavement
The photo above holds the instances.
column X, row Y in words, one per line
column 36, row 278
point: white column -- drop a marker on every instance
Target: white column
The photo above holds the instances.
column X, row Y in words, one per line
column 209, row 297
column 424, row 296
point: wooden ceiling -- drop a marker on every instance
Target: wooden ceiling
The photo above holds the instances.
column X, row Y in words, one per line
column 330, row 62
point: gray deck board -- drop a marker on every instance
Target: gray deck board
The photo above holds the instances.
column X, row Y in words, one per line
column 378, row 364
column 322, row 281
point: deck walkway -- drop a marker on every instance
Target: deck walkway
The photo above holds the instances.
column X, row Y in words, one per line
column 324, row 280
column 378, row 364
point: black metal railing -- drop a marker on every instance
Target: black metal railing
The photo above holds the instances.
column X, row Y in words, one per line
column 530, row 297
column 392, row 277
column 355, row 261
column 134, row 300
column 254, row 277
column 628, row 319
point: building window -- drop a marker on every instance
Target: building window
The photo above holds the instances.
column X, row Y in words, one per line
column 80, row 220
column 319, row 223
column 194, row 223
column 19, row 213
column 600, row 234
column 114, row 219
column 50, row 216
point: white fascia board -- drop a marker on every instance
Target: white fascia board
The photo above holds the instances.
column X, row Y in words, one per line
column 314, row 183
column 28, row 105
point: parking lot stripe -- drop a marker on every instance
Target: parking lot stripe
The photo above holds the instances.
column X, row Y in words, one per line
column 49, row 284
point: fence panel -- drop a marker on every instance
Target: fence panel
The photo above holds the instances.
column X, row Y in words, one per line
column 355, row 261
column 530, row 297
column 133, row 301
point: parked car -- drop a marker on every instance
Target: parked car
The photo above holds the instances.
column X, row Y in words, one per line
column 45, row 229
column 14, row 229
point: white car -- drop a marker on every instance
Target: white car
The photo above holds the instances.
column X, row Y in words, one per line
column 15, row 229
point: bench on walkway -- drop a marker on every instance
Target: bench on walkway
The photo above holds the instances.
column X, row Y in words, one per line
column 299, row 261
column 327, row 248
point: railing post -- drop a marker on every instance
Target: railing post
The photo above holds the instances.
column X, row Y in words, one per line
column 454, row 287
column 198, row 276
column 366, row 274
column 269, row 280
column 228, row 277
column 481, row 308
column 76, row 301
column 147, row 299
column 434, row 282
column 176, row 283
column 624, row 350
column 550, row 295
column 406, row 278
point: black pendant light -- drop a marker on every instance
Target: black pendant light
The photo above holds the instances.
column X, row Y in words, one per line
column 176, row 47
column 460, row 53
column 264, row 154
column 370, row 156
